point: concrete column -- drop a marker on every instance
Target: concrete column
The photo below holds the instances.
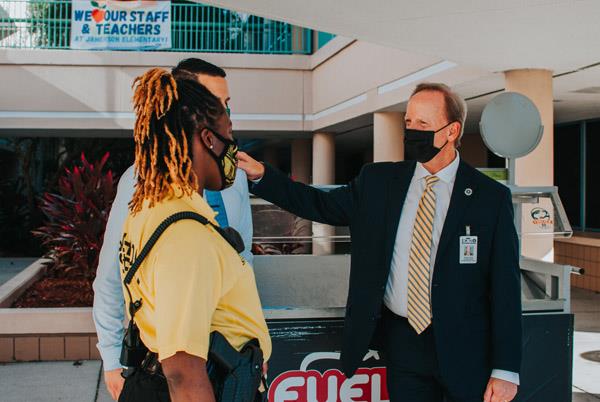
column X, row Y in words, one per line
column 388, row 137
column 323, row 158
column 301, row 172
column 323, row 173
column 537, row 168
column 301, row 160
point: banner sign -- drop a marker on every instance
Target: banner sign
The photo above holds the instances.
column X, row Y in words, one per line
column 121, row 24
column 305, row 365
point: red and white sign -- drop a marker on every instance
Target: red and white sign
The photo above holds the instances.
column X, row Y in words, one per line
column 304, row 385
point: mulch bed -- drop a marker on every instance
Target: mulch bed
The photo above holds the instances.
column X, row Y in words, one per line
column 57, row 292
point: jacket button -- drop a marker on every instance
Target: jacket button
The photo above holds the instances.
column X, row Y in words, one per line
column 435, row 285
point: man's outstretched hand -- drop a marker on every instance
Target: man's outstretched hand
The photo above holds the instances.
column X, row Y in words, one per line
column 254, row 169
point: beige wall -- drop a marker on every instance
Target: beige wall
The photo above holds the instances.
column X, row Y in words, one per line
column 94, row 89
column 66, row 88
column 359, row 68
column 270, row 93
column 347, row 85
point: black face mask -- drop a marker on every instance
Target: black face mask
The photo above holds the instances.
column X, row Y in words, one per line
column 226, row 161
column 418, row 144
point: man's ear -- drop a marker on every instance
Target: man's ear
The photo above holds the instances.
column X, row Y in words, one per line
column 455, row 131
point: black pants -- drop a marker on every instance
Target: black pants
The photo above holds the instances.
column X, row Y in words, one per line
column 413, row 373
column 143, row 387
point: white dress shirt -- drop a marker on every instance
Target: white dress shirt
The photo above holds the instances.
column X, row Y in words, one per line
column 396, row 292
column 108, row 311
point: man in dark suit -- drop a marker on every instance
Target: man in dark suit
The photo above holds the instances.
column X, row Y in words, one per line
column 435, row 281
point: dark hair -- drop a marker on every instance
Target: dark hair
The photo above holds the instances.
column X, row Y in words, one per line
column 456, row 108
column 199, row 66
column 169, row 110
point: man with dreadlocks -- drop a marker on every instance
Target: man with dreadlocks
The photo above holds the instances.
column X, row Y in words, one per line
column 231, row 204
column 192, row 282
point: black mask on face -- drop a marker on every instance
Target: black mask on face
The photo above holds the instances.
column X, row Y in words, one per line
column 418, row 144
column 226, row 161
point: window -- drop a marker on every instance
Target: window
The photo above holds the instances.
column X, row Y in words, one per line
column 567, row 169
column 323, row 38
column 592, row 176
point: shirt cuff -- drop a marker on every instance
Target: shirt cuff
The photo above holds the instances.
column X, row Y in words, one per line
column 258, row 180
column 506, row 376
column 110, row 357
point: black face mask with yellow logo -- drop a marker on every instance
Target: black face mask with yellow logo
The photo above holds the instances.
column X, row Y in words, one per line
column 226, row 161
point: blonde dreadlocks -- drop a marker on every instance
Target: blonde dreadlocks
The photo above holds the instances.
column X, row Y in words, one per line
column 169, row 110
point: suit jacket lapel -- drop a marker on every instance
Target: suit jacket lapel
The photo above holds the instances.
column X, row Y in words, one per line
column 464, row 190
column 396, row 194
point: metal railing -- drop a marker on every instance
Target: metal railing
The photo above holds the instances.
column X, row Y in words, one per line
column 46, row 24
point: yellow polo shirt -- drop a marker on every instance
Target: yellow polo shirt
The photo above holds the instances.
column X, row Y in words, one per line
column 191, row 283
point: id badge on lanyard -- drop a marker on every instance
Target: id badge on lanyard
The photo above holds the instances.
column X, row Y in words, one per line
column 467, row 248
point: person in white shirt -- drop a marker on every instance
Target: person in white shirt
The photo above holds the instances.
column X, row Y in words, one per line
column 232, row 205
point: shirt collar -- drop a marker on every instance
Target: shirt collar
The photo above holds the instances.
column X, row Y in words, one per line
column 447, row 174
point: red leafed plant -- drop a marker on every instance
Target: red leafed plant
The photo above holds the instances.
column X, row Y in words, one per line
column 76, row 218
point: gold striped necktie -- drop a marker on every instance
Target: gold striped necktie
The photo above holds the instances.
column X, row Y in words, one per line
column 419, row 301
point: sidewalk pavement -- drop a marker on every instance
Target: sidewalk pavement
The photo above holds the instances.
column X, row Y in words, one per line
column 53, row 381
column 83, row 382
column 586, row 374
